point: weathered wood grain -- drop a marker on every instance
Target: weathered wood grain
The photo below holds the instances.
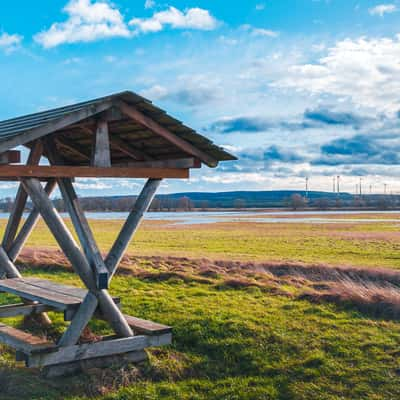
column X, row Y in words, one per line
column 54, row 125
column 101, row 149
column 28, row 226
column 156, row 128
column 22, row 341
column 20, row 201
column 44, row 171
column 131, row 224
column 147, row 327
column 95, row 350
column 80, row 321
column 22, row 309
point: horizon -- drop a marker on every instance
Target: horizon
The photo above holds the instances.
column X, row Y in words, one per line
column 295, row 91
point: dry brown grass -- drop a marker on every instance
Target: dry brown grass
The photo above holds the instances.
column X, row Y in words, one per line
column 373, row 291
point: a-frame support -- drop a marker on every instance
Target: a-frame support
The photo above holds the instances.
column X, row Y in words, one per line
column 87, row 265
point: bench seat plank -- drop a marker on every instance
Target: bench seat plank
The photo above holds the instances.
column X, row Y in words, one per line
column 147, row 327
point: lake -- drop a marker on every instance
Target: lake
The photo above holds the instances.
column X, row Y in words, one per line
column 207, row 217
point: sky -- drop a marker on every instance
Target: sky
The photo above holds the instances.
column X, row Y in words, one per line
column 295, row 89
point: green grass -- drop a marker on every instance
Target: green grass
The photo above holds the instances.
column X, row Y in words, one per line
column 245, row 343
column 236, row 344
column 369, row 245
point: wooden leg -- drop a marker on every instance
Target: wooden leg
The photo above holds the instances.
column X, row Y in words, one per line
column 12, row 272
column 28, row 226
column 84, row 233
column 20, row 201
column 8, row 266
column 75, row 256
column 131, row 225
column 81, row 319
column 59, row 230
column 79, row 221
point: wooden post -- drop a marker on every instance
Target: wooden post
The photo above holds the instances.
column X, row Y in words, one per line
column 84, row 233
column 28, row 226
column 20, row 201
column 59, row 230
column 79, row 221
column 8, row 266
column 131, row 224
column 101, row 150
column 71, row 250
column 80, row 320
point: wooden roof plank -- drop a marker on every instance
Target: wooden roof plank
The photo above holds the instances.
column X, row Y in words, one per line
column 136, row 115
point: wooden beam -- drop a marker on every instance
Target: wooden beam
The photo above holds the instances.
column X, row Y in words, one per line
column 132, row 223
column 55, row 125
column 28, row 226
column 98, row 349
column 61, row 233
column 7, row 265
column 178, row 163
column 44, row 171
column 80, row 223
column 10, row 157
column 84, row 233
column 22, row 341
column 73, row 253
column 80, row 321
column 14, row 310
column 101, row 145
column 129, row 150
column 156, row 128
column 71, row 146
column 20, row 200
column 74, row 368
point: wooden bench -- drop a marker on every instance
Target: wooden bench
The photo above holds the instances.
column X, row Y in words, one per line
column 61, row 297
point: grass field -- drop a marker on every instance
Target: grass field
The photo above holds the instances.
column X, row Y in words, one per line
column 367, row 245
column 253, row 314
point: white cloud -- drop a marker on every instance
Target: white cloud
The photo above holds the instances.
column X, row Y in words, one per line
column 364, row 71
column 155, row 92
column 87, row 21
column 9, row 42
column 95, row 185
column 260, row 6
column 259, row 31
column 232, row 177
column 264, row 32
column 383, row 9
column 149, row 4
column 193, row 18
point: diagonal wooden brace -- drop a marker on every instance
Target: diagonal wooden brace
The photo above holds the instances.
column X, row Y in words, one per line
column 28, row 226
column 131, row 225
column 20, row 201
column 79, row 262
column 79, row 221
column 84, row 233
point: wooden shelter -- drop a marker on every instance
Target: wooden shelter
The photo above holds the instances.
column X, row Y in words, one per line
column 118, row 136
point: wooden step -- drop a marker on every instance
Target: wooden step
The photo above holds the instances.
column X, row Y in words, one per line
column 147, row 327
column 53, row 294
column 23, row 341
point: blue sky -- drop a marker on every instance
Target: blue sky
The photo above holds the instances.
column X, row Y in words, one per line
column 295, row 88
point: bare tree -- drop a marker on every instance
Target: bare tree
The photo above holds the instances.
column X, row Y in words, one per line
column 297, row 201
column 239, row 203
